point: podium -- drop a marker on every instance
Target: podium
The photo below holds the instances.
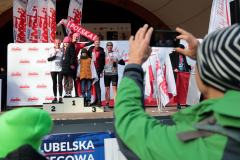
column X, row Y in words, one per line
column 70, row 105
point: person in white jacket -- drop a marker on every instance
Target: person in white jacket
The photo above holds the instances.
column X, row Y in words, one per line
column 54, row 57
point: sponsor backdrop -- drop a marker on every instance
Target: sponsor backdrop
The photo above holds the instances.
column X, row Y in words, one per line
column 80, row 146
column 29, row 79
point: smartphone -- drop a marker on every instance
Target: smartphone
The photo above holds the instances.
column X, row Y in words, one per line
column 161, row 38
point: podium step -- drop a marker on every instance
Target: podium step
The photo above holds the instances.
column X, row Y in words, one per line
column 70, row 105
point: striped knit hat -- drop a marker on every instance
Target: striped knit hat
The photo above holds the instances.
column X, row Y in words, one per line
column 218, row 59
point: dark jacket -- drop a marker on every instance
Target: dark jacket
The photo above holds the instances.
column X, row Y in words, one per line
column 67, row 61
column 174, row 57
column 25, row 152
column 101, row 58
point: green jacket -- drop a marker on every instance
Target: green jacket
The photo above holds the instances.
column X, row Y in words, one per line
column 141, row 136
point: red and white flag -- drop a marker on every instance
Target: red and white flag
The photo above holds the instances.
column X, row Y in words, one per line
column 171, row 85
column 78, row 29
column 220, row 15
column 149, row 81
column 19, row 20
column 32, row 22
column 161, row 82
column 51, row 12
column 42, row 21
column 74, row 14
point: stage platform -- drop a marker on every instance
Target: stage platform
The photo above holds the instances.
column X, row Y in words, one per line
column 64, row 116
column 99, row 121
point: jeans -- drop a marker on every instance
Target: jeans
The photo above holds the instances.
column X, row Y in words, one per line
column 85, row 82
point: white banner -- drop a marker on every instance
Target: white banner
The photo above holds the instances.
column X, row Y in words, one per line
column 220, row 15
column 29, row 78
column 19, row 21
column 42, row 21
column 32, row 22
column 74, row 14
column 112, row 151
column 51, row 12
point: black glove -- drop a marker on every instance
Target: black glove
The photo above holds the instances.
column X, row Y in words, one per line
column 78, row 79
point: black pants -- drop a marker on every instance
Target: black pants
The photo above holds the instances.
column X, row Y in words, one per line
column 54, row 79
column 98, row 88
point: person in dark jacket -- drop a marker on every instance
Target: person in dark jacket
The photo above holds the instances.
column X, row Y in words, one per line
column 68, row 68
column 98, row 55
column 77, row 47
column 179, row 63
column 3, row 76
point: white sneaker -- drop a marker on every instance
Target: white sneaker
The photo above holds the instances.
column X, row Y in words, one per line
column 106, row 109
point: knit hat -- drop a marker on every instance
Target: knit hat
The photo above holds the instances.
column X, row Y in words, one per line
column 218, row 59
column 84, row 50
column 109, row 44
column 76, row 35
column 23, row 126
column 67, row 40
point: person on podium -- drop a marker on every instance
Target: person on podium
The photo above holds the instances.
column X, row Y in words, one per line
column 179, row 63
column 98, row 56
column 77, row 46
column 112, row 59
column 54, row 57
column 68, row 68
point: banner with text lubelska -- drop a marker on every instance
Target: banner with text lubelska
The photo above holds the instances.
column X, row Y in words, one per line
column 29, row 77
column 84, row 146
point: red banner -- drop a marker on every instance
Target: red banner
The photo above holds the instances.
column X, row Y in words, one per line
column 74, row 14
column 32, row 22
column 182, row 87
column 51, row 20
column 19, row 20
column 78, row 29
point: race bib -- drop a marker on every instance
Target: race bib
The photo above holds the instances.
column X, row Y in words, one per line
column 57, row 63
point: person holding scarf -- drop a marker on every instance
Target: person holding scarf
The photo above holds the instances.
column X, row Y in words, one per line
column 77, row 47
column 68, row 68
column 54, row 57
column 98, row 56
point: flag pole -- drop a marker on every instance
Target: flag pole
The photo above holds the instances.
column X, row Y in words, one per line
column 155, row 91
